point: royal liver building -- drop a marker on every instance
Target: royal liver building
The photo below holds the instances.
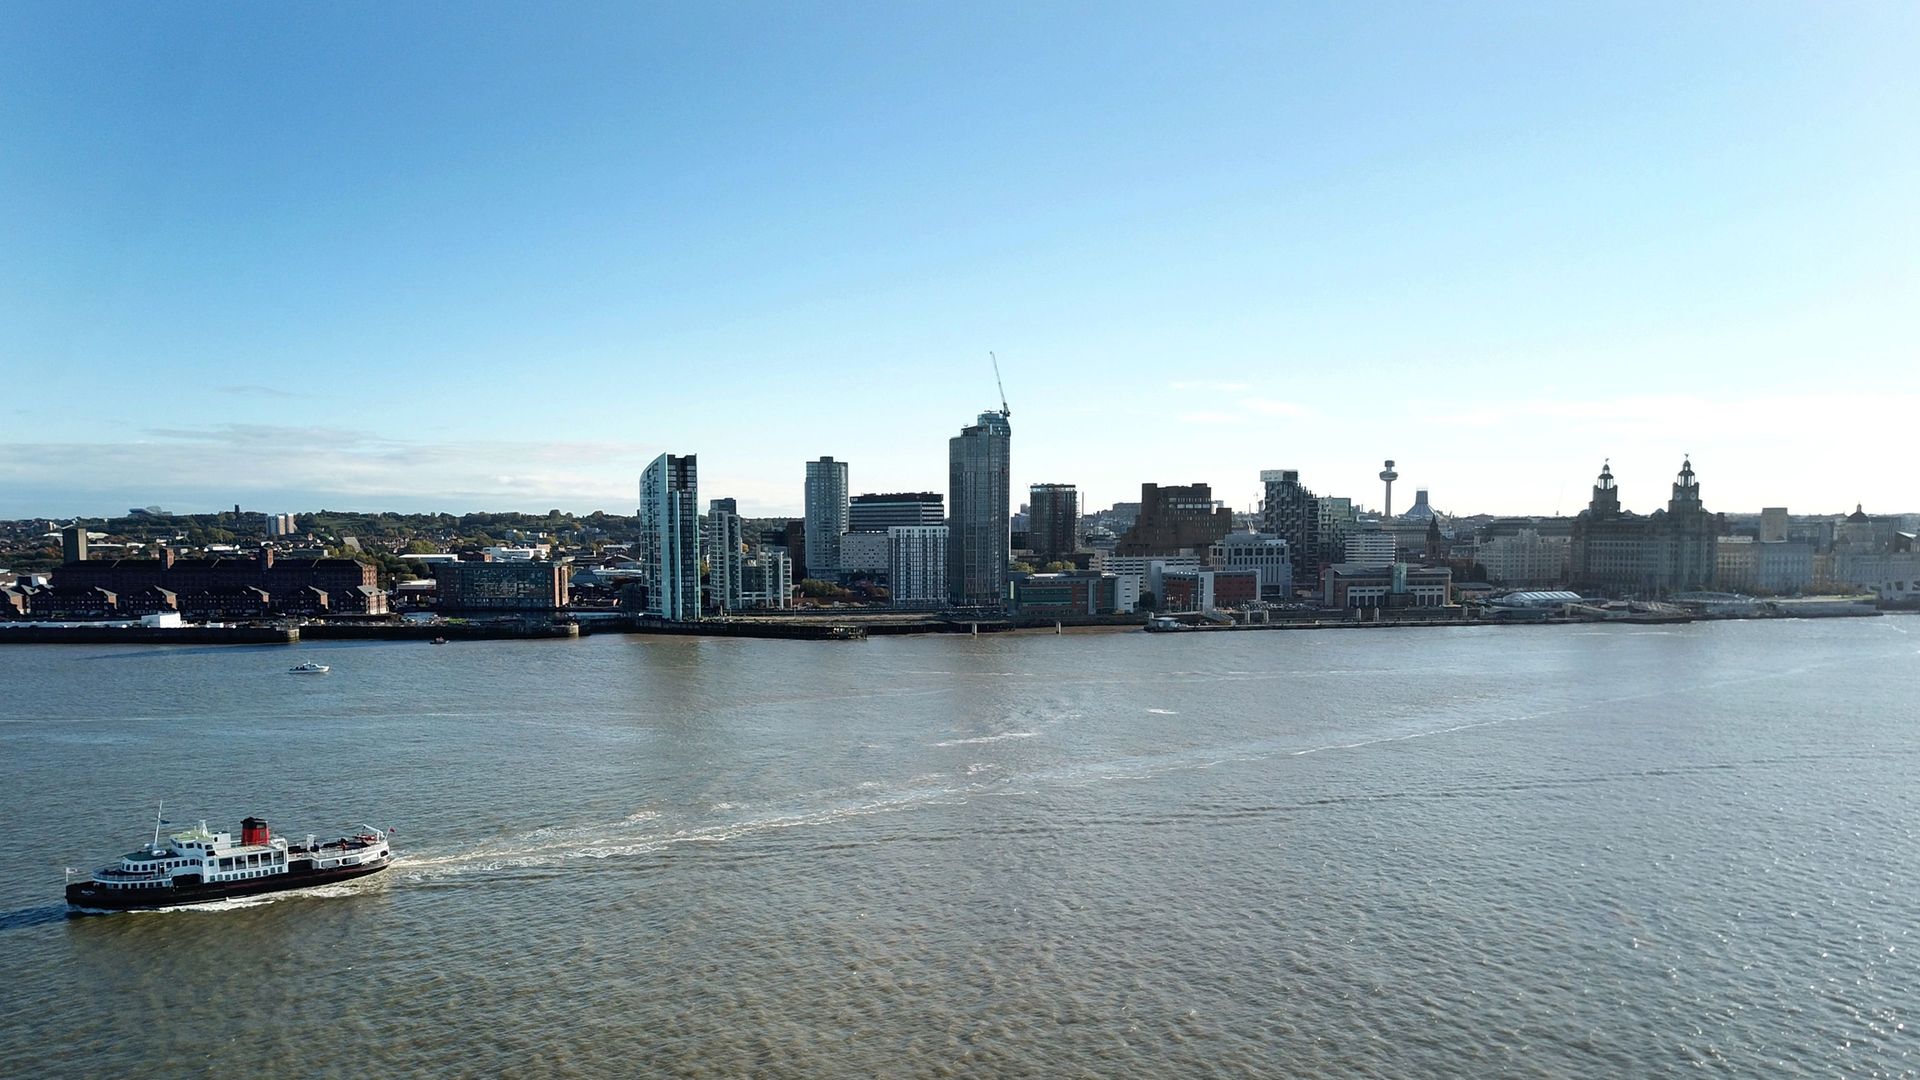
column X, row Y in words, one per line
column 1668, row 551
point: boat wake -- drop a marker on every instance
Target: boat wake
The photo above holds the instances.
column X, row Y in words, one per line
column 1004, row 736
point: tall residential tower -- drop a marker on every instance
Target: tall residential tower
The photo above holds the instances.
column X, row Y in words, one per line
column 1053, row 530
column 826, row 515
column 670, row 537
column 979, row 537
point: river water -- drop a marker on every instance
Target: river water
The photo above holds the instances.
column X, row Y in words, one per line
column 1557, row 851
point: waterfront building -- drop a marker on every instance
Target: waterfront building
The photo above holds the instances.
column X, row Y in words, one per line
column 880, row 512
column 1347, row 585
column 670, row 536
column 1208, row 590
column 1671, row 550
column 15, row 600
column 74, row 602
column 766, row 581
column 726, row 545
column 1524, row 559
column 1735, row 561
column 979, row 537
column 1053, row 528
column 1175, row 519
column 351, row 586
column 1889, row 575
column 1069, row 592
column 153, row 600
column 826, row 509
column 1144, row 572
column 524, row 586
column 226, row 603
column 1292, row 512
column 864, row 554
column 1782, row 567
column 917, row 565
column 1266, row 555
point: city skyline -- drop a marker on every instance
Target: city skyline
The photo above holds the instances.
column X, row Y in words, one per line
column 415, row 263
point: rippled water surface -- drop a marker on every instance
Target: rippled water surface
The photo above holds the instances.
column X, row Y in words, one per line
column 1561, row 851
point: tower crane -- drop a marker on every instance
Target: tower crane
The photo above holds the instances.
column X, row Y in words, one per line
column 1004, row 411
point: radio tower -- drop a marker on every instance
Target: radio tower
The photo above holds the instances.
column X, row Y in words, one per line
column 1389, row 476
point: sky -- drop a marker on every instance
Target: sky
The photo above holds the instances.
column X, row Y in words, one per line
column 488, row 256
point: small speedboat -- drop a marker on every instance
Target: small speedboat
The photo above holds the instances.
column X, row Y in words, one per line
column 439, row 641
column 309, row 668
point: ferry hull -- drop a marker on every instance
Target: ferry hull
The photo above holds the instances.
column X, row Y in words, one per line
column 86, row 895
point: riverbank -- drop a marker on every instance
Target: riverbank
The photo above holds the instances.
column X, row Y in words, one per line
column 838, row 627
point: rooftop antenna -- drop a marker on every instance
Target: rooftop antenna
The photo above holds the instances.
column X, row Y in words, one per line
column 1002, row 387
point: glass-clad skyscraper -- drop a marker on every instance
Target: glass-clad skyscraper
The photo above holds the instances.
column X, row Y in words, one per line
column 978, row 526
column 670, row 536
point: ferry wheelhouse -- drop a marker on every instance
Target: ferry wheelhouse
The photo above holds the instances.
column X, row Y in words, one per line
column 199, row 865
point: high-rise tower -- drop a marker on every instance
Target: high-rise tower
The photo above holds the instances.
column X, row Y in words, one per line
column 1053, row 531
column 979, row 537
column 670, row 537
column 1389, row 476
column 826, row 515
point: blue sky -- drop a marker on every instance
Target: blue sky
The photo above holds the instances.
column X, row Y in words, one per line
column 455, row 257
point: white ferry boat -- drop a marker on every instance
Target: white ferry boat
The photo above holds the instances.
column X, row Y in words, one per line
column 309, row 668
column 199, row 865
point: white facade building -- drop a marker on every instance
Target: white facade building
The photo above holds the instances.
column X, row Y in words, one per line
column 1889, row 575
column 1145, row 570
column 518, row 554
column 1525, row 560
column 726, row 553
column 917, row 565
column 1258, row 551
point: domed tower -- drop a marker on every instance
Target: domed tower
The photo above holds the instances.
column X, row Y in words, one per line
column 1686, row 490
column 1606, row 496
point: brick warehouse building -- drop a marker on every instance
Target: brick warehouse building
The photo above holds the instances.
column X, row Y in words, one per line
column 351, row 586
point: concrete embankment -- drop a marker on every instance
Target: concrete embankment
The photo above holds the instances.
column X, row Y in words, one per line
column 80, row 634
column 456, row 631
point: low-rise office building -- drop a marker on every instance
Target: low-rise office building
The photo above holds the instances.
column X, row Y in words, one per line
column 501, row 586
column 1069, row 592
column 1267, row 555
column 1208, row 590
column 1350, row 585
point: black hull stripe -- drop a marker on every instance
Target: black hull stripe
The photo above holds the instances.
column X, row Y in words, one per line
column 84, row 894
